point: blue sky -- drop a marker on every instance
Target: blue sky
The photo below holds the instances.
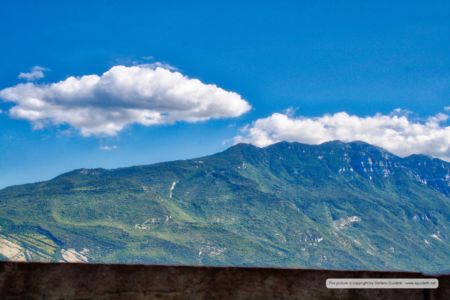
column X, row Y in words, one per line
column 358, row 57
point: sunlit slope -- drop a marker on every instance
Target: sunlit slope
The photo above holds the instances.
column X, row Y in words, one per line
column 334, row 206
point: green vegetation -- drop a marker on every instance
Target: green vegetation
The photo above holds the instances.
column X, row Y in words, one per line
column 335, row 206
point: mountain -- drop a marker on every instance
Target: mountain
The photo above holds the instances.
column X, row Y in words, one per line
column 335, row 206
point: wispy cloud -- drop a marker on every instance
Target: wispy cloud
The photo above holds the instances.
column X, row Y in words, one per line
column 104, row 104
column 35, row 73
column 395, row 132
column 108, row 147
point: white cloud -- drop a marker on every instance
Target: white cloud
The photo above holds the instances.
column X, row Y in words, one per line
column 35, row 73
column 108, row 147
column 396, row 133
column 105, row 104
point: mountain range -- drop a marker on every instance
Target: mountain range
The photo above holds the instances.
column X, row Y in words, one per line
column 333, row 206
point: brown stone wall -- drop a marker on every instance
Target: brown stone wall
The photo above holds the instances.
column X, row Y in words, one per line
column 90, row 281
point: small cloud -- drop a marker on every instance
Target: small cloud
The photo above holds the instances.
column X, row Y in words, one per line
column 35, row 73
column 108, row 147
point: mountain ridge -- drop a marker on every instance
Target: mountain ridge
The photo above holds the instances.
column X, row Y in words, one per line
column 335, row 205
column 332, row 142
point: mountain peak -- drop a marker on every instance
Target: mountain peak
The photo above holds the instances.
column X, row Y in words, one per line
column 334, row 142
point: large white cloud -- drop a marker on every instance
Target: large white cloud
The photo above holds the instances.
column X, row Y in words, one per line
column 105, row 104
column 394, row 132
